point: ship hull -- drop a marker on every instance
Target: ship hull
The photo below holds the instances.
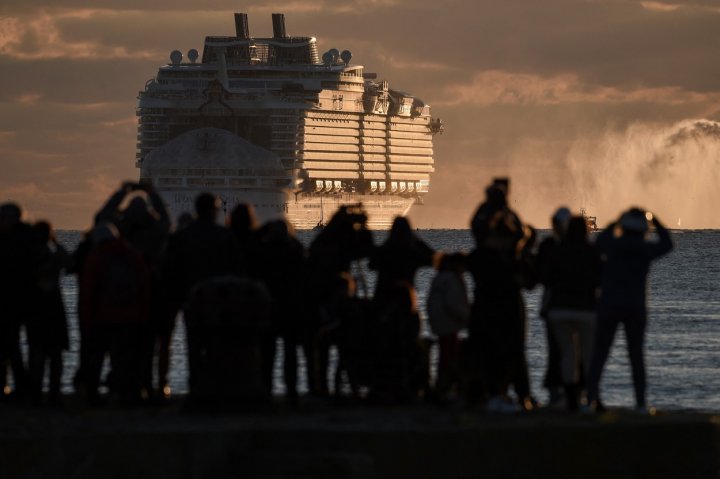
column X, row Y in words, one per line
column 303, row 211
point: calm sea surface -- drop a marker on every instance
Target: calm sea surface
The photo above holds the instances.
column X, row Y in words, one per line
column 683, row 337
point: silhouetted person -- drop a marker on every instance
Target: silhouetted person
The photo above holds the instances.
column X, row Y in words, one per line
column 448, row 310
column 573, row 279
column 227, row 317
column 244, row 226
column 145, row 224
column 344, row 240
column 281, row 260
column 47, row 325
column 113, row 309
column 201, row 251
column 497, row 322
column 397, row 261
column 496, row 202
column 17, row 256
column 398, row 369
column 184, row 220
column 628, row 254
column 547, row 250
column 399, row 258
column 165, row 326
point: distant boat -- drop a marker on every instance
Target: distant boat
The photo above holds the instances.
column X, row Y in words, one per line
column 590, row 221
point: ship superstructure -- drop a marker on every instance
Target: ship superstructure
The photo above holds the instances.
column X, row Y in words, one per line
column 341, row 135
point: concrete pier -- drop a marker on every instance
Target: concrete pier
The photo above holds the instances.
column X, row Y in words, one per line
column 417, row 442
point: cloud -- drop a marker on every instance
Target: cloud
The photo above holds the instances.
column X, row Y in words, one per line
column 521, row 88
column 709, row 6
column 38, row 36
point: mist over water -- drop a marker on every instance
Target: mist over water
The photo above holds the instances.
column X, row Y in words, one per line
column 673, row 171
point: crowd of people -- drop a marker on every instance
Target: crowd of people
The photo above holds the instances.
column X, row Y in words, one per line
column 241, row 286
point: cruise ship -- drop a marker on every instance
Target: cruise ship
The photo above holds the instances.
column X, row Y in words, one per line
column 331, row 133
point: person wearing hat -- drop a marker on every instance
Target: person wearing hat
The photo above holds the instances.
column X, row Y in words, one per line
column 628, row 254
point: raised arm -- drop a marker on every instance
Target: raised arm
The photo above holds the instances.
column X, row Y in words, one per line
column 664, row 244
column 109, row 211
column 604, row 239
column 158, row 205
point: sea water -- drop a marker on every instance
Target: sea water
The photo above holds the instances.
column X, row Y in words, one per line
column 683, row 332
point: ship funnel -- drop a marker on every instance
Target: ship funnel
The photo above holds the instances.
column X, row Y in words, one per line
column 278, row 20
column 241, row 26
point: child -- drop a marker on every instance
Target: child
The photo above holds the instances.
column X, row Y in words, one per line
column 448, row 311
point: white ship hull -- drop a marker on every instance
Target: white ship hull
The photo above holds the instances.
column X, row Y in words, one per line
column 303, row 211
column 307, row 211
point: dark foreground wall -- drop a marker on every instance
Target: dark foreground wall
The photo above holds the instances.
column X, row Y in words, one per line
column 419, row 443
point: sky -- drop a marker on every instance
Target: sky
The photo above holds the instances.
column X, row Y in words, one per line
column 595, row 104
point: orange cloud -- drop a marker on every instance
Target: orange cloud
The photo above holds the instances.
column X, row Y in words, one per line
column 35, row 37
column 658, row 6
column 499, row 87
column 29, row 98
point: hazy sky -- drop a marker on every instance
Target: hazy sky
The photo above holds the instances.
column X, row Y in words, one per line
column 590, row 103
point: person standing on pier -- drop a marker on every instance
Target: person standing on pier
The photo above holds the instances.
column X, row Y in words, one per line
column 572, row 278
column 628, row 255
column 200, row 251
column 145, row 225
column 400, row 367
column 16, row 279
column 448, row 310
column 500, row 269
column 47, row 325
column 544, row 260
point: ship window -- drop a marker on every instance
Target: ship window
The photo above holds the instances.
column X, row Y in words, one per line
column 242, row 181
column 170, row 181
column 214, row 181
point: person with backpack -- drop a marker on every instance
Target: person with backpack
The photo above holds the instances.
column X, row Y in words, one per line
column 201, row 251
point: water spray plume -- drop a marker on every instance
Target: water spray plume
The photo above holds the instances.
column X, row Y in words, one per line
column 672, row 170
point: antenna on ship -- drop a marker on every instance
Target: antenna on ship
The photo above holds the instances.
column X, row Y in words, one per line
column 193, row 55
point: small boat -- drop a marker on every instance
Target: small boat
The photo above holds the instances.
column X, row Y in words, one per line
column 590, row 221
